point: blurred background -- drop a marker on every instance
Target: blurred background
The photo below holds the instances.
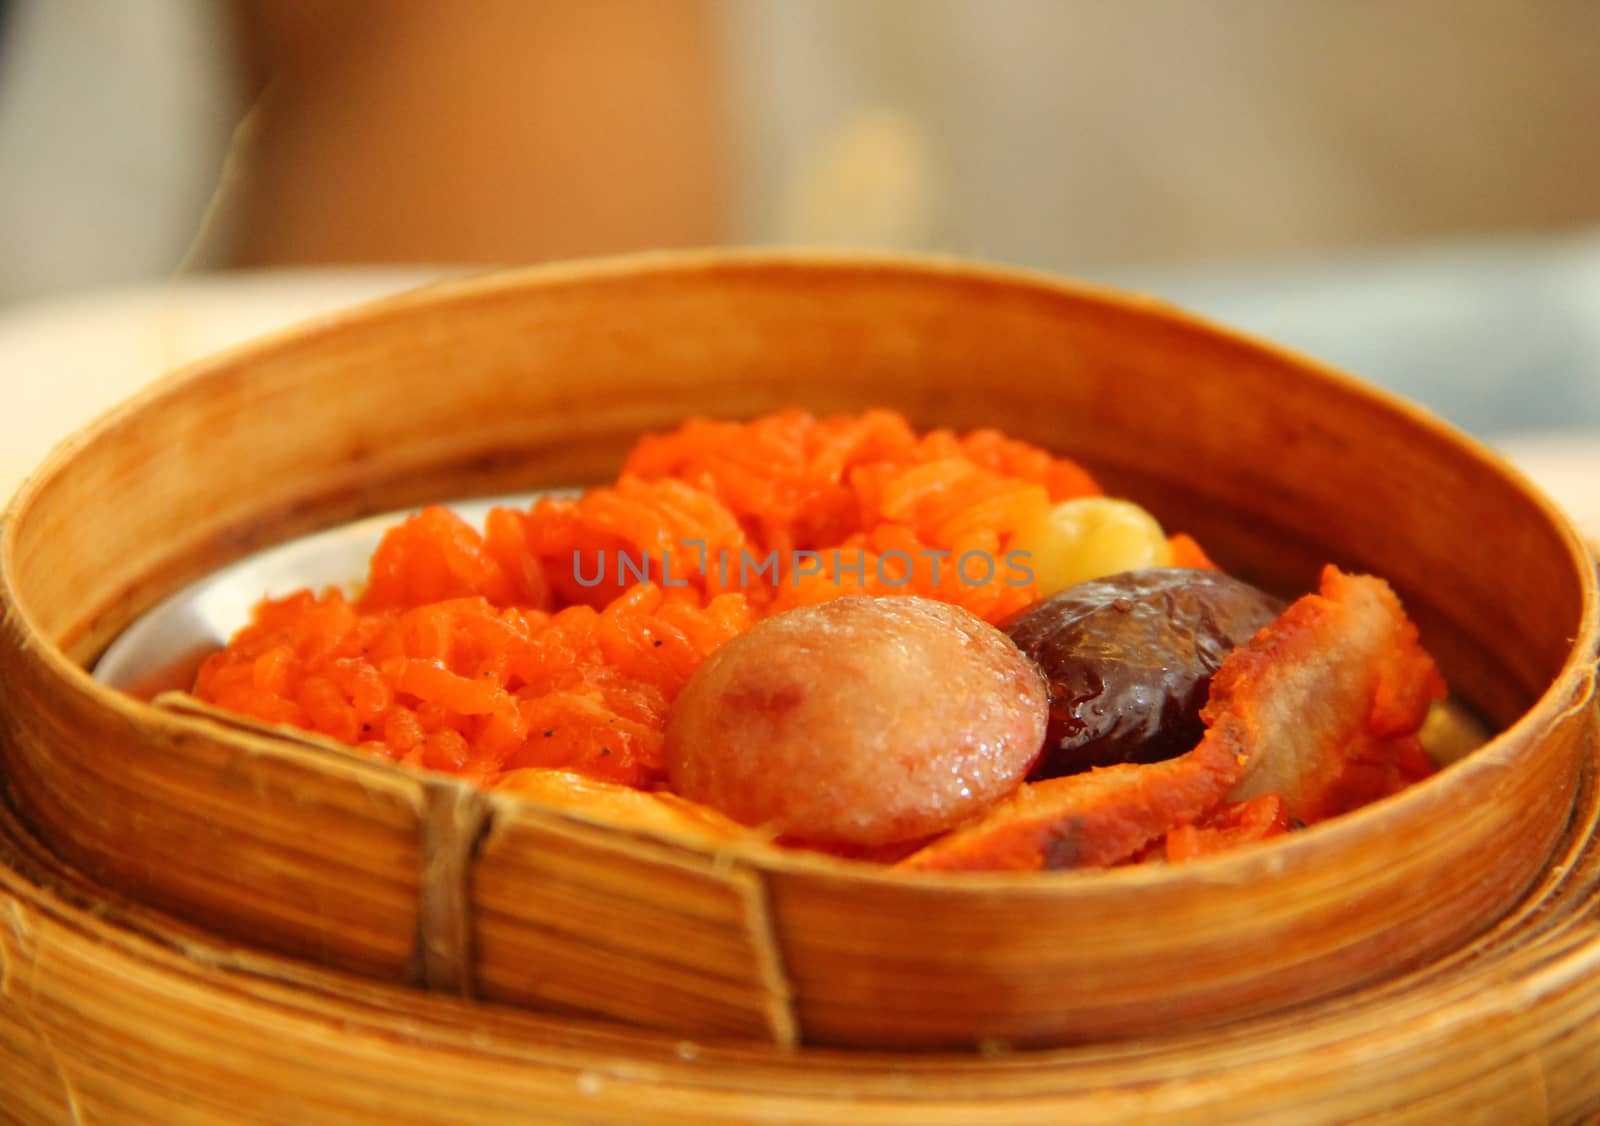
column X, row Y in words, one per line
column 1408, row 188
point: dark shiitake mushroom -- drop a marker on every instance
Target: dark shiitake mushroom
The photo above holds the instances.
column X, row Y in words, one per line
column 1129, row 660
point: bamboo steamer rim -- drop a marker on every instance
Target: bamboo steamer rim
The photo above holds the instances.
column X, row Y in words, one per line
column 1571, row 690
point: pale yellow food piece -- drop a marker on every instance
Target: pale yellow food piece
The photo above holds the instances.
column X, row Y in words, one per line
column 1450, row 732
column 1089, row 538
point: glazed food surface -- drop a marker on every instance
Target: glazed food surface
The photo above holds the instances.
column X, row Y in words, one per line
column 790, row 625
column 1129, row 659
column 560, row 635
column 1317, row 714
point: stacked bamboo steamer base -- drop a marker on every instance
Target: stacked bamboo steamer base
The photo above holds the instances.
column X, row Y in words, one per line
column 201, row 920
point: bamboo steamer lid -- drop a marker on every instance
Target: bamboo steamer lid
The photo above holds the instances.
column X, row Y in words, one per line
column 349, row 883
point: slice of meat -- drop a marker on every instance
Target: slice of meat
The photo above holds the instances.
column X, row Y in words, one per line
column 1321, row 708
column 1096, row 819
column 1333, row 694
column 1228, row 826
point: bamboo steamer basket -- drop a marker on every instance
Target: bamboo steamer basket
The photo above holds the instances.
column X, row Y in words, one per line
column 318, row 889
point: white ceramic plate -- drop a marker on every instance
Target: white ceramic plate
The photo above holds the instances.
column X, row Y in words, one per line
column 206, row 614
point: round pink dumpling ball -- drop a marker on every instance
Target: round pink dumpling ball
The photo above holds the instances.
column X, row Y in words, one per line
column 858, row 722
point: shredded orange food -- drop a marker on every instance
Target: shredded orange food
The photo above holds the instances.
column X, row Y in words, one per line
column 483, row 653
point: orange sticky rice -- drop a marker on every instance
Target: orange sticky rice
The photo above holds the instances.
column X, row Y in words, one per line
column 560, row 635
